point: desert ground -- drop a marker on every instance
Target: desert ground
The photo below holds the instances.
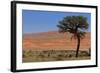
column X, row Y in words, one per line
column 54, row 46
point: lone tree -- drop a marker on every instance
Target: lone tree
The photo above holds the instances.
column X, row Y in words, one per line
column 76, row 26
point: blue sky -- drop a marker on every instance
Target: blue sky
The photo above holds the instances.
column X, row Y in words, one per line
column 43, row 21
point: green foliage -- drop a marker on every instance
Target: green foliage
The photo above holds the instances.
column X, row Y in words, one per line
column 74, row 25
column 73, row 22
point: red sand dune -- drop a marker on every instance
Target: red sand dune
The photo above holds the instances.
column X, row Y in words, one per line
column 54, row 40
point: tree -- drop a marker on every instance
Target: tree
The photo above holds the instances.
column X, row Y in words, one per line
column 76, row 26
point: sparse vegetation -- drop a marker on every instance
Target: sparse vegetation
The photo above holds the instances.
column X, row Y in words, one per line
column 53, row 55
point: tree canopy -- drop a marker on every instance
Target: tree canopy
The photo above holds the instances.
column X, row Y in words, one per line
column 74, row 24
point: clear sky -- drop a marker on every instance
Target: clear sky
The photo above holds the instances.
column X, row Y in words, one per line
column 43, row 21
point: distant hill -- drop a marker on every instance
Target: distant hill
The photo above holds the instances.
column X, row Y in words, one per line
column 53, row 40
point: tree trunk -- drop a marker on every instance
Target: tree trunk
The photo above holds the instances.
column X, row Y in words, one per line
column 78, row 46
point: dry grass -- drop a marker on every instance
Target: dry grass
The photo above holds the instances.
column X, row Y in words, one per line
column 53, row 55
